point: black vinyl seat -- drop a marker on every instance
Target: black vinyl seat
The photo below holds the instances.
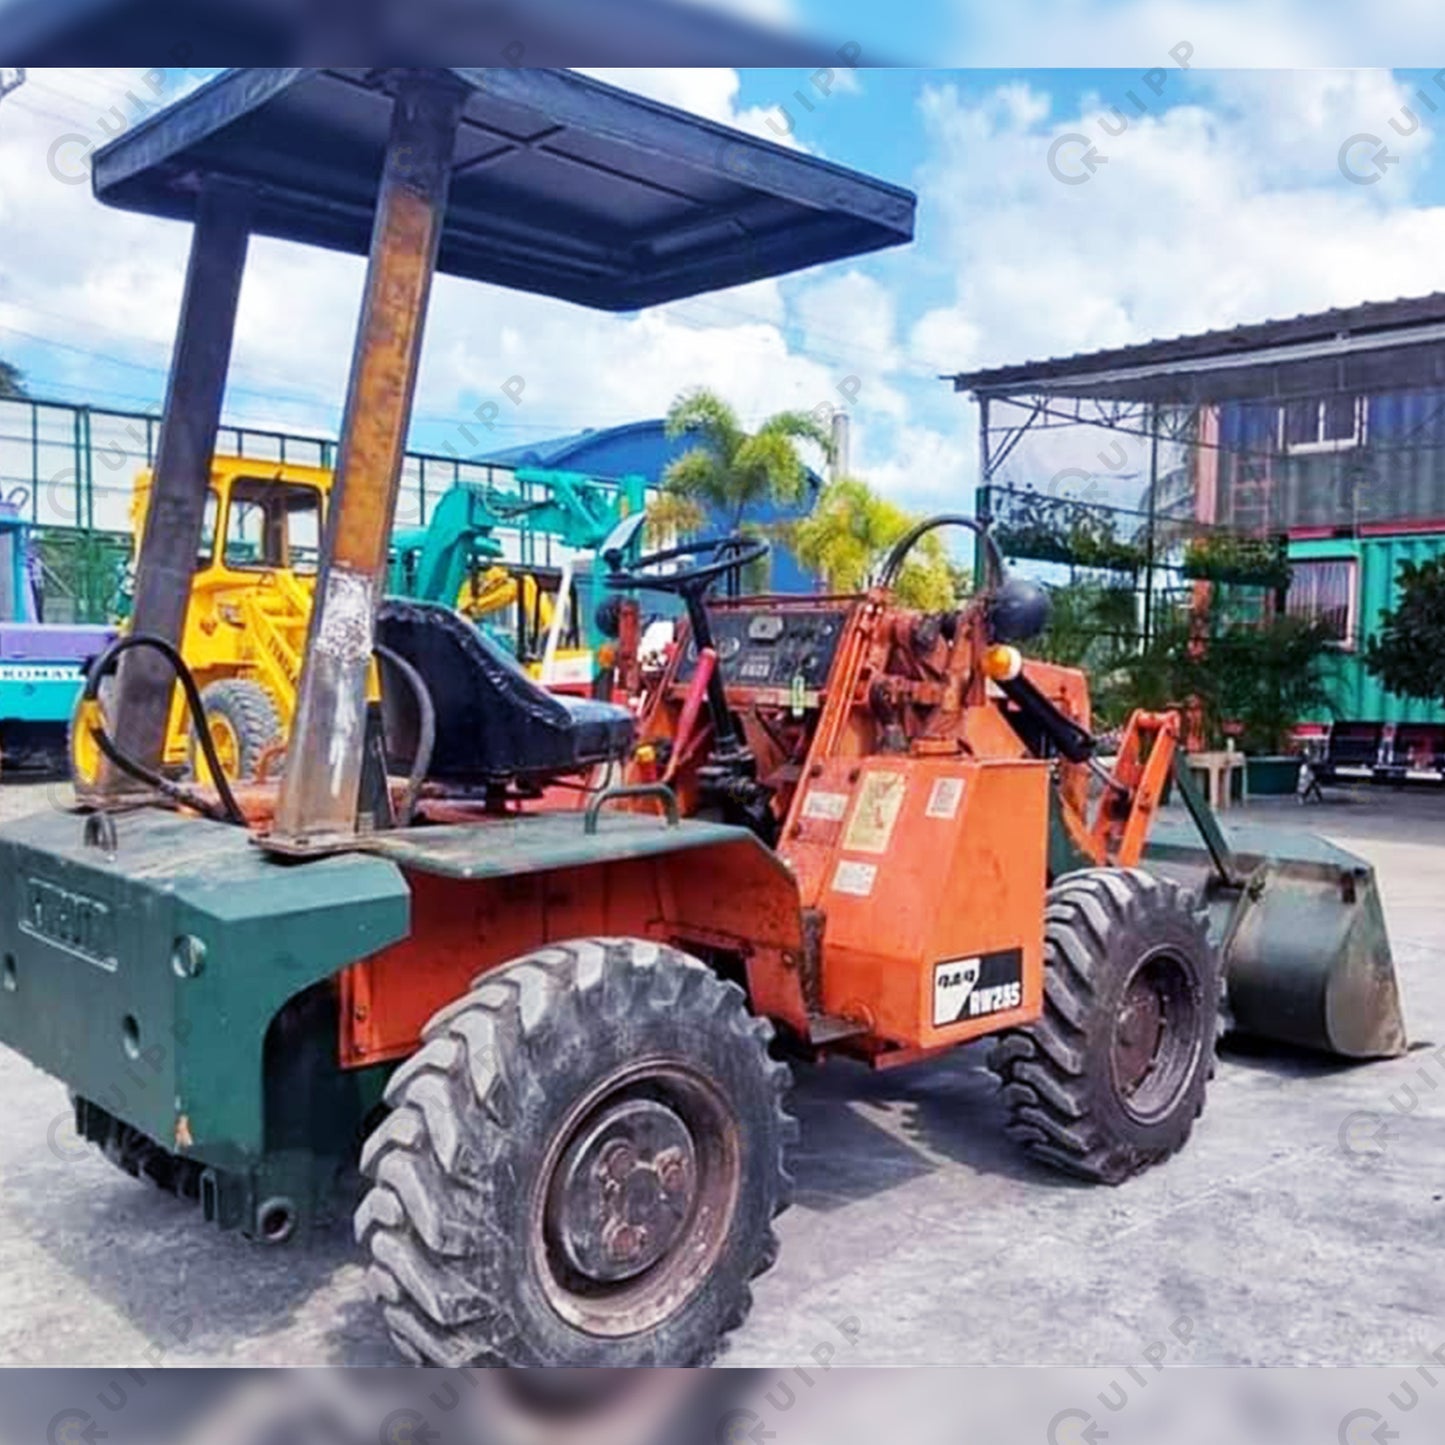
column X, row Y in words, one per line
column 493, row 722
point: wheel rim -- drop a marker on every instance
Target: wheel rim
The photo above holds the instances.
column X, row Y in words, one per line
column 85, row 755
column 636, row 1199
column 227, row 745
column 1155, row 1042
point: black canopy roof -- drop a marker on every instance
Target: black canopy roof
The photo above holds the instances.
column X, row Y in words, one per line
column 1375, row 346
column 561, row 185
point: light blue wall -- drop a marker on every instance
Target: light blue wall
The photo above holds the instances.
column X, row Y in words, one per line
column 644, row 449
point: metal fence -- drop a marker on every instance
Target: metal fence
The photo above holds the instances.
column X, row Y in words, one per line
column 71, row 471
column 1106, row 553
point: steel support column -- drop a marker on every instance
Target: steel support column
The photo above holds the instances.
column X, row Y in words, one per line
column 172, row 536
column 1150, row 535
column 317, row 806
column 983, row 503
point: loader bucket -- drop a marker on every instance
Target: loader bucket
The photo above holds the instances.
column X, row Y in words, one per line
column 1306, row 955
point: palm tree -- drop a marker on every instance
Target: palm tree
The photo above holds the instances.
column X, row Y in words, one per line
column 11, row 384
column 850, row 532
column 730, row 470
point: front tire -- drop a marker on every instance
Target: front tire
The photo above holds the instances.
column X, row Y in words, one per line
column 1112, row 1077
column 243, row 722
column 582, row 1165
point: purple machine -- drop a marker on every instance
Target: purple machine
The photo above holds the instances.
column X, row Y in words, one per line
column 42, row 665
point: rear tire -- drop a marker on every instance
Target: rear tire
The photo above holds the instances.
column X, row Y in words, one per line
column 244, row 715
column 1112, row 1077
column 582, row 1165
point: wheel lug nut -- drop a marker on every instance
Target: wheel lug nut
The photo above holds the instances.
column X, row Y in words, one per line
column 672, row 1171
column 625, row 1242
column 618, row 1160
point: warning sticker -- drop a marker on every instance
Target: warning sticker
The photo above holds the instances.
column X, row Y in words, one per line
column 855, row 878
column 880, row 800
column 943, row 801
column 827, row 807
column 972, row 988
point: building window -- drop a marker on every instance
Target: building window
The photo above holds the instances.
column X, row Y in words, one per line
column 1332, row 425
column 1323, row 591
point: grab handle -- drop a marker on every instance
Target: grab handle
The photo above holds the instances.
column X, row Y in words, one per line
column 660, row 791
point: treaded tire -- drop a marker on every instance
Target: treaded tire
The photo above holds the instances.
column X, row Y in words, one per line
column 462, row 1167
column 1103, row 926
column 143, row 1159
column 253, row 717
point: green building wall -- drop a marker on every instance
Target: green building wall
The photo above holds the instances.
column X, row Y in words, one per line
column 1358, row 696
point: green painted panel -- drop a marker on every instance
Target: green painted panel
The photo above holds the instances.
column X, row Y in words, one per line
column 92, row 989
column 97, row 992
column 546, row 842
column 1358, row 696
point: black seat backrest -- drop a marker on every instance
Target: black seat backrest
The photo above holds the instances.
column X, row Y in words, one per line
column 493, row 722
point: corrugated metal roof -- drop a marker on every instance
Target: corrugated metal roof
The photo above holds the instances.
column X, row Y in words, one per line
column 1372, row 346
column 555, row 452
column 560, row 185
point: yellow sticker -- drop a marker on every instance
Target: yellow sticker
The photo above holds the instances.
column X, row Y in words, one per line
column 880, row 800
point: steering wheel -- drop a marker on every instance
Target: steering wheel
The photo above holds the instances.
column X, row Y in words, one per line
column 726, row 554
column 713, row 558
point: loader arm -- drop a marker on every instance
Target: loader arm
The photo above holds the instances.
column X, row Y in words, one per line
column 1131, row 795
column 276, row 635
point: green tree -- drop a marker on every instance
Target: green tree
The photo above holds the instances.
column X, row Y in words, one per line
column 1092, row 624
column 12, row 382
column 1263, row 677
column 1274, row 675
column 848, row 534
column 731, row 470
column 1407, row 652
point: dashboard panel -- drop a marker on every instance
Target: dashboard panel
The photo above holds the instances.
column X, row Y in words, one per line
column 770, row 647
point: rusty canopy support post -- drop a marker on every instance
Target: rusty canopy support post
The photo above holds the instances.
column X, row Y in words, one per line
column 176, row 516
column 324, row 759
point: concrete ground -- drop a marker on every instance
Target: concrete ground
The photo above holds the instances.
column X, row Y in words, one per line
column 1303, row 1225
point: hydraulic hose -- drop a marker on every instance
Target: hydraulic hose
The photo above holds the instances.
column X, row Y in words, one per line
column 229, row 810
column 905, row 544
column 426, row 730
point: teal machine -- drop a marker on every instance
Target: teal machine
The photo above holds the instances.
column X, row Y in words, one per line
column 462, row 543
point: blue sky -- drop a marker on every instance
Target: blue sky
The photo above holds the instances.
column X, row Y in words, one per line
column 1223, row 200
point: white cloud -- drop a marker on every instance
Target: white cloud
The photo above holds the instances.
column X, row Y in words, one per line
column 1200, row 217
column 1228, row 207
column 924, row 469
column 108, row 282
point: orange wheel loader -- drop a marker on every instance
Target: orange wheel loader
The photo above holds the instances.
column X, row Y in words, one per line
column 538, row 962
